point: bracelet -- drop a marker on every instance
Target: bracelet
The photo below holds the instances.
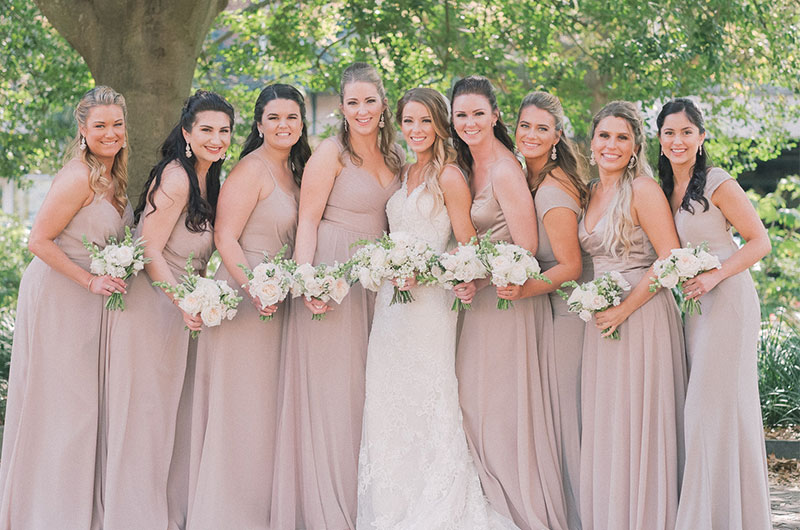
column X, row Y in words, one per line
column 89, row 285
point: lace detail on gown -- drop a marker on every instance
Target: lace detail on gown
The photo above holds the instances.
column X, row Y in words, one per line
column 415, row 471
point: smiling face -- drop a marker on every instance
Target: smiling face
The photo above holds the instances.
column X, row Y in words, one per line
column 104, row 131
column 680, row 139
column 362, row 107
column 473, row 118
column 612, row 144
column 417, row 126
column 536, row 132
column 210, row 135
column 281, row 123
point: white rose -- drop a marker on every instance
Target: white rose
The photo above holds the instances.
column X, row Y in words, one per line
column 137, row 266
column 231, row 313
column 191, row 303
column 212, row 315
column 97, row 267
column 598, row 302
column 124, row 256
column 312, row 286
column 670, row 279
column 305, row 271
column 518, row 274
column 377, row 258
column 575, row 296
column 398, row 255
column 585, row 315
column 268, row 293
column 500, row 263
column 709, row 261
column 688, row 265
column 365, row 278
column 339, row 290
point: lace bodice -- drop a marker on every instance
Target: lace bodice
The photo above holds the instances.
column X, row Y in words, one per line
column 416, row 213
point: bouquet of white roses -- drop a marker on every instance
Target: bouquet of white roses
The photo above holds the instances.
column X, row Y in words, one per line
column 395, row 256
column 270, row 280
column 508, row 264
column 323, row 282
column 460, row 266
column 120, row 259
column 597, row 295
column 214, row 300
column 683, row 264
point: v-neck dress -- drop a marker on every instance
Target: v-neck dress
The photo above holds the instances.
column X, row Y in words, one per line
column 47, row 476
column 725, row 485
column 323, row 374
column 632, row 396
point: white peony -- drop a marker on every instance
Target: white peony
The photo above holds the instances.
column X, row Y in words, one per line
column 123, row 256
column 268, row 293
column 670, row 279
column 518, row 274
column 192, row 303
column 212, row 315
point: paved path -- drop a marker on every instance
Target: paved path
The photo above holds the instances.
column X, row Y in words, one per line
column 785, row 507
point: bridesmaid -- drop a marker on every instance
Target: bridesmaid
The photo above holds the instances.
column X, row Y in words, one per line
column 149, row 351
column 555, row 175
column 632, row 389
column 504, row 360
column 236, row 384
column 725, row 482
column 343, row 199
column 49, row 447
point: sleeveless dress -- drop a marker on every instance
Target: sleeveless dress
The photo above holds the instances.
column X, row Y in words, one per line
column 632, row 395
column 150, row 371
column 322, row 386
column 415, row 471
column 236, row 391
column 504, row 365
column 568, row 330
column 725, row 485
column 47, row 476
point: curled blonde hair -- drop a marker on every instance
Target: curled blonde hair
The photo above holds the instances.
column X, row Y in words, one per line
column 442, row 151
column 98, row 182
column 368, row 74
column 619, row 230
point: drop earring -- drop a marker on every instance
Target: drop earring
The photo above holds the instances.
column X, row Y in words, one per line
column 82, row 145
column 188, row 151
column 632, row 162
column 345, row 125
column 592, row 161
column 260, row 134
column 382, row 123
column 553, row 154
column 700, row 151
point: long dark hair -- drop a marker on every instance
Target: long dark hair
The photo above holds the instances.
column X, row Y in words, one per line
column 566, row 152
column 697, row 183
column 301, row 151
column 476, row 84
column 200, row 212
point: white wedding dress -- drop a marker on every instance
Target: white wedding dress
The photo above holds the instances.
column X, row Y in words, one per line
column 415, row 471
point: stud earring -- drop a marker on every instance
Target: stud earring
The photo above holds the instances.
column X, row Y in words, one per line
column 632, row 162
column 188, row 151
column 592, row 161
column 260, row 134
column 553, row 154
column 660, row 151
column 382, row 123
column 82, row 146
column 124, row 145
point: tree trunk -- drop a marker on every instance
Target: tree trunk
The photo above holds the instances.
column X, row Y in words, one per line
column 147, row 50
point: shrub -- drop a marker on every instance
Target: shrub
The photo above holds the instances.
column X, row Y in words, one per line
column 779, row 372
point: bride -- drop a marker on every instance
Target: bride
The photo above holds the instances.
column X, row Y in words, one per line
column 415, row 471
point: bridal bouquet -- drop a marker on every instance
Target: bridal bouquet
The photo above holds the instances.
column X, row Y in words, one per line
column 397, row 255
column 120, row 259
column 462, row 265
column 324, row 282
column 270, row 280
column 683, row 264
column 214, row 300
column 597, row 295
column 508, row 264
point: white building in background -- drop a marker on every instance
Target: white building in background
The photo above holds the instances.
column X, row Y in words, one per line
column 24, row 201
